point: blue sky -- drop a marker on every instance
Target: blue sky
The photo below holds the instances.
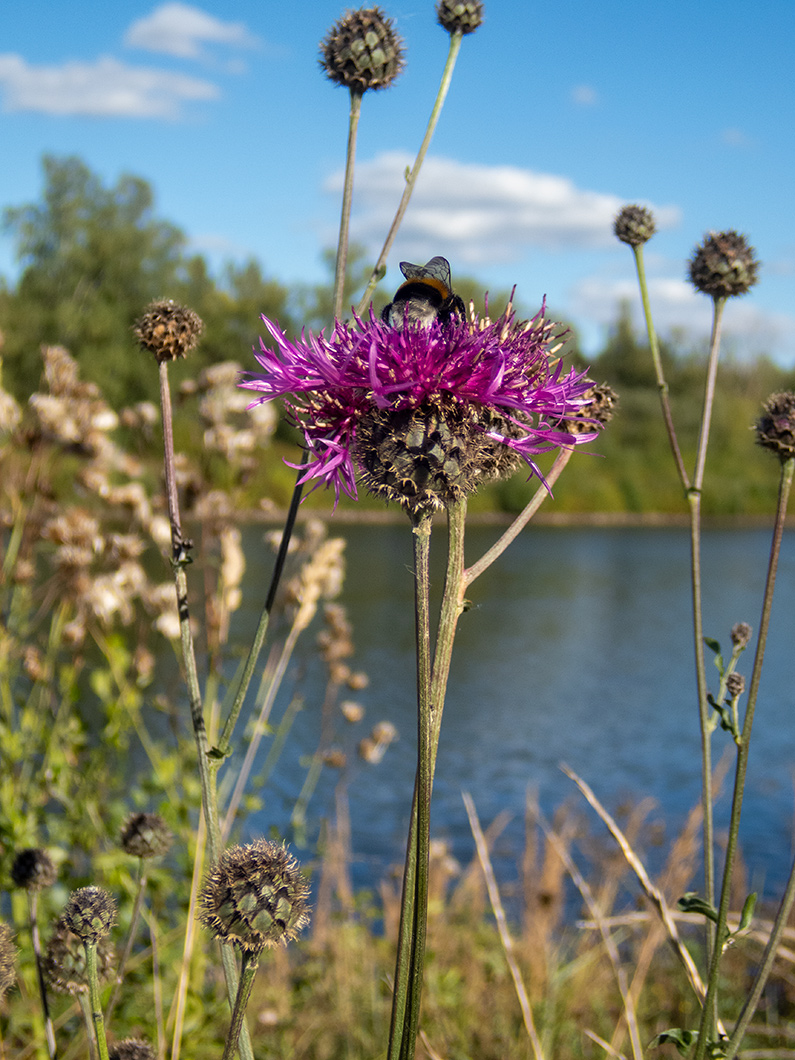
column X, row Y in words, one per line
column 558, row 114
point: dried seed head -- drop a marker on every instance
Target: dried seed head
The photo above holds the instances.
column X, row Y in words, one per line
column 724, row 265
column 146, row 835
column 634, row 225
column 168, row 330
column 459, row 16
column 255, row 897
column 64, row 963
column 775, row 428
column 362, row 50
column 90, row 913
column 8, row 958
column 735, row 685
column 132, row 1049
column 599, row 407
column 33, row 869
column 741, row 634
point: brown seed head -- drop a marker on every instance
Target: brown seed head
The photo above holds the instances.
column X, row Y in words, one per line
column 90, row 913
column 775, row 428
column 132, row 1049
column 634, row 225
column 362, row 50
column 168, row 330
column 724, row 265
column 33, row 869
column 146, row 835
column 255, row 897
column 735, row 685
column 459, row 16
column 741, row 634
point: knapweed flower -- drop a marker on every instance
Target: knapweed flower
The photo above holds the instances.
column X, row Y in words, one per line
column 64, row 963
column 459, row 16
column 775, row 428
column 90, row 913
column 255, row 897
column 168, row 330
column 634, row 225
column 33, row 869
column 362, row 50
column 146, row 835
column 425, row 413
column 723, row 265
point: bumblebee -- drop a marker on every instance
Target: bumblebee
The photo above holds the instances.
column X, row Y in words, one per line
column 425, row 295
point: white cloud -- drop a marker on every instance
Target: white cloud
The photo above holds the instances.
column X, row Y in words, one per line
column 678, row 309
column 482, row 214
column 182, row 30
column 584, row 96
column 105, row 88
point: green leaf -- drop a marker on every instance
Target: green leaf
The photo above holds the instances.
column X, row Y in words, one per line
column 694, row 903
column 682, row 1039
column 747, row 914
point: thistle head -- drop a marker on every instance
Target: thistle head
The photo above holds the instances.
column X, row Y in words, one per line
column 168, row 330
column 735, row 685
column 741, row 634
column 33, row 869
column 775, row 428
column 723, row 265
column 132, row 1049
column 362, row 50
column 146, row 835
column 634, row 225
column 255, row 897
column 459, row 16
column 90, row 913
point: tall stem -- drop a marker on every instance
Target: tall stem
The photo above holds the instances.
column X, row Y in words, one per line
column 94, row 1001
column 247, row 974
column 411, row 177
column 347, row 195
column 742, row 755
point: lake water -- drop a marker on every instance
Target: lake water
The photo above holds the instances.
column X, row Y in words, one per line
column 577, row 649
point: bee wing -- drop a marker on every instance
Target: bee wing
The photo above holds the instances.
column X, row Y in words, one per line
column 437, row 268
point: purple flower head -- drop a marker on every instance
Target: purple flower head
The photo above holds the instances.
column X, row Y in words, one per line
column 425, row 413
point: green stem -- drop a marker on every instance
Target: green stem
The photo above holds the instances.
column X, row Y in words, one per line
column 411, row 177
column 662, row 385
column 247, row 973
column 414, row 905
column 207, row 775
column 33, row 902
column 347, row 195
column 94, row 1000
column 742, row 754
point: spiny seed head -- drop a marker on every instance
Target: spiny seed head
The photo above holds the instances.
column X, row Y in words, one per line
column 459, row 16
column 775, row 428
column 724, row 265
column 8, row 957
column 255, row 897
column 146, row 835
column 741, row 634
column 362, row 50
column 90, row 913
column 33, row 869
column 64, row 963
column 634, row 225
column 735, row 685
column 168, row 330
column 132, row 1049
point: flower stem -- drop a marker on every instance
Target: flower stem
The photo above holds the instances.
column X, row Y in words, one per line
column 94, row 1001
column 207, row 775
column 742, row 760
column 662, row 385
column 411, row 176
column 33, row 902
column 247, row 973
column 347, row 195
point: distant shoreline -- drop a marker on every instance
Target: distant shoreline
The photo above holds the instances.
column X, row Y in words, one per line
column 617, row 520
